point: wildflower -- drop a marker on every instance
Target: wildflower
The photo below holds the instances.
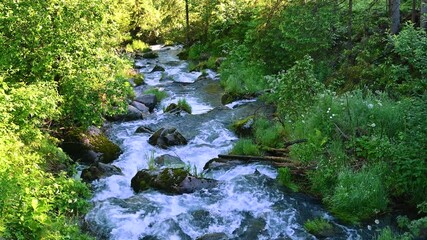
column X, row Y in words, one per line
column 377, row 221
column 372, row 125
column 369, row 227
column 370, row 105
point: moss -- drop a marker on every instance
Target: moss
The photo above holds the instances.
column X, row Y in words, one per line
column 101, row 144
column 139, row 79
column 243, row 127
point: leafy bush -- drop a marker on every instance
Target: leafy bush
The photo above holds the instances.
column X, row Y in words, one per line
column 245, row 147
column 284, row 177
column 359, row 195
column 295, row 90
column 160, row 94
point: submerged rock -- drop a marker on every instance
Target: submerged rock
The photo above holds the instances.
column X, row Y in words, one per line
column 213, row 236
column 168, row 160
column 98, row 171
column 169, row 180
column 150, row 55
column 165, row 138
column 144, row 129
column 158, row 68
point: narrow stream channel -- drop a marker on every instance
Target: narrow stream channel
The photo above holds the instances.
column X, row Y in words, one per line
column 247, row 203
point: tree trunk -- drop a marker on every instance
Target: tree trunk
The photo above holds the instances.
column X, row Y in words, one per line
column 423, row 18
column 414, row 11
column 187, row 20
column 395, row 16
column 350, row 21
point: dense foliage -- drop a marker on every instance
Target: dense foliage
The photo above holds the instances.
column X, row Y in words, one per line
column 339, row 79
column 58, row 68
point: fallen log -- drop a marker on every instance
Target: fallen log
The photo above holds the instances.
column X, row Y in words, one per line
column 255, row 158
column 290, row 143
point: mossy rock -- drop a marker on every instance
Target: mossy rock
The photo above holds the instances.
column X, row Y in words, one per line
column 138, row 79
column 243, row 128
column 90, row 146
column 99, row 142
column 150, row 55
column 169, row 180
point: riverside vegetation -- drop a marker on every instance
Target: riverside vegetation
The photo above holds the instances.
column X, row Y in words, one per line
column 339, row 74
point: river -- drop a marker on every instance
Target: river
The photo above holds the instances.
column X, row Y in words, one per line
column 247, row 204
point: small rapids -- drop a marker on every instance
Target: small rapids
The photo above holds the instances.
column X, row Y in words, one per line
column 246, row 204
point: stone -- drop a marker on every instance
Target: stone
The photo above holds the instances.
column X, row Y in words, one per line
column 98, row 171
column 169, row 180
column 165, row 138
column 144, row 129
column 90, row 147
column 141, row 107
column 213, row 236
column 158, row 68
column 170, row 161
column 149, row 100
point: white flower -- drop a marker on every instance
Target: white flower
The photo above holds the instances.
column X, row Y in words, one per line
column 372, row 125
column 369, row 227
column 377, row 221
column 370, row 105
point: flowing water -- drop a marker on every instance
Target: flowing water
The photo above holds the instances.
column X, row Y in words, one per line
column 247, row 203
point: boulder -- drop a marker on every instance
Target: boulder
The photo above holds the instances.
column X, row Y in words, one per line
column 158, row 68
column 132, row 113
column 170, row 161
column 165, row 138
column 144, row 129
column 149, row 100
column 90, row 146
column 169, row 180
column 98, row 171
column 141, row 107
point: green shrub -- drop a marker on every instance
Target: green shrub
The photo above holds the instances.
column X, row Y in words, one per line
column 359, row 195
column 295, row 90
column 284, row 177
column 268, row 134
column 318, row 226
column 245, row 147
column 160, row 94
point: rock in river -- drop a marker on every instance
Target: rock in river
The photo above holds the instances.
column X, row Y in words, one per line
column 170, row 180
column 165, row 138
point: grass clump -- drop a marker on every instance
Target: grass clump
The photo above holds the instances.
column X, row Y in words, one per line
column 268, row 134
column 359, row 195
column 160, row 94
column 284, row 177
column 184, row 106
column 138, row 79
column 318, row 226
column 245, row 147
